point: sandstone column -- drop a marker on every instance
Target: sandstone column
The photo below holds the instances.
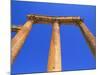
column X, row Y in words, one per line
column 89, row 37
column 19, row 39
column 54, row 60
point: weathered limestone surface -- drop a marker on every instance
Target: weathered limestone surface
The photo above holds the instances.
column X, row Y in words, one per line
column 89, row 37
column 19, row 39
column 54, row 60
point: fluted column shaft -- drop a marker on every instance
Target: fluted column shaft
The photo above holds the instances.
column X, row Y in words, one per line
column 89, row 37
column 54, row 60
column 19, row 39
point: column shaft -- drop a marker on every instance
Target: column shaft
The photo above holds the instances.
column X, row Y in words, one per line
column 89, row 38
column 19, row 39
column 54, row 60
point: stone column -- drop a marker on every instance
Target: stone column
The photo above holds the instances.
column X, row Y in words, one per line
column 54, row 60
column 89, row 37
column 19, row 39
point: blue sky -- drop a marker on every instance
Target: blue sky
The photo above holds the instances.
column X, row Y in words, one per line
column 33, row 56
